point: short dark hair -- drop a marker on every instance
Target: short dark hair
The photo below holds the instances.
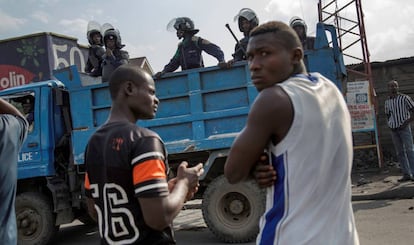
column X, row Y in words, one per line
column 125, row 73
column 393, row 81
column 282, row 31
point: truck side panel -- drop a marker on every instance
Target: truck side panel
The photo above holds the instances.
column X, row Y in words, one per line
column 89, row 106
column 200, row 109
column 91, row 110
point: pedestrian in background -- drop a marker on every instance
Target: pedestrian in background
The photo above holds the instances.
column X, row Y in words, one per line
column 127, row 168
column 399, row 111
column 13, row 131
column 309, row 199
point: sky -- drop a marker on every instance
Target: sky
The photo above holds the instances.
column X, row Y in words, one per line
column 142, row 23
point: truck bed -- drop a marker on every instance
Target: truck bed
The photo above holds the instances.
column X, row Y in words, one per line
column 200, row 109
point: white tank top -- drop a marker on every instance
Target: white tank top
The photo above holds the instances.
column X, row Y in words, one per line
column 310, row 202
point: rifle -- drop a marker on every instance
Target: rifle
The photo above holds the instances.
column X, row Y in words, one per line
column 237, row 40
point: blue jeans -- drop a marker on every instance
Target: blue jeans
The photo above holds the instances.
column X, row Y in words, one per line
column 403, row 143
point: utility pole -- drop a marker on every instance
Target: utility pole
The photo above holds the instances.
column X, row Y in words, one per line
column 348, row 17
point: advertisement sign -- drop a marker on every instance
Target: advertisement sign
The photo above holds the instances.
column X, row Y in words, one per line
column 32, row 58
column 359, row 105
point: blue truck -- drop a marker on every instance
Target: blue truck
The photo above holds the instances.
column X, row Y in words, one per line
column 201, row 111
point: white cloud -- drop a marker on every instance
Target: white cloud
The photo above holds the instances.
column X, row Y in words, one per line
column 285, row 10
column 95, row 13
column 389, row 33
column 40, row 16
column 10, row 23
column 74, row 26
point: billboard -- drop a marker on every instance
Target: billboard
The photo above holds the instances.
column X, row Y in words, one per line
column 33, row 57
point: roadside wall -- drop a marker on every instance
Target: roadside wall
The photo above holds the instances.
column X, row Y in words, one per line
column 401, row 70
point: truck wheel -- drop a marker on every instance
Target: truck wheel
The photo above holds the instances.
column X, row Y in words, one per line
column 35, row 219
column 232, row 212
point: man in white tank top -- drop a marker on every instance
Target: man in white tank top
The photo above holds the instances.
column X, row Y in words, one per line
column 303, row 122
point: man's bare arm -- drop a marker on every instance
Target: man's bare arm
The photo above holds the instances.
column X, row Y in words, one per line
column 159, row 212
column 270, row 117
column 7, row 108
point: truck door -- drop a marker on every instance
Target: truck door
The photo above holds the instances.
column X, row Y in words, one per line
column 29, row 160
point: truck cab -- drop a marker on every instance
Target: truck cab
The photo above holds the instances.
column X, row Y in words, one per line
column 41, row 174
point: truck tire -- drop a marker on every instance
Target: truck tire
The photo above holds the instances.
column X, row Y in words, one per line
column 35, row 219
column 232, row 212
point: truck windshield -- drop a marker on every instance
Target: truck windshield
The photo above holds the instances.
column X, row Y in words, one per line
column 25, row 103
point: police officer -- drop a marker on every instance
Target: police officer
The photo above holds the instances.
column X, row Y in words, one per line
column 301, row 29
column 96, row 50
column 188, row 54
column 247, row 20
column 113, row 56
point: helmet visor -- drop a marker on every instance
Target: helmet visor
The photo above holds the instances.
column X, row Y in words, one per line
column 173, row 25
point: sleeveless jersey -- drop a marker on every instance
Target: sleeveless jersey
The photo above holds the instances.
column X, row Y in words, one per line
column 124, row 162
column 310, row 203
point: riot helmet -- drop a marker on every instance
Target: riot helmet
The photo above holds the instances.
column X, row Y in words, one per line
column 90, row 37
column 182, row 24
column 249, row 15
column 297, row 21
column 93, row 28
column 113, row 34
column 105, row 27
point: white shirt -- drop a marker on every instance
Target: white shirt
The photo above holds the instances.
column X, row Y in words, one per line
column 310, row 202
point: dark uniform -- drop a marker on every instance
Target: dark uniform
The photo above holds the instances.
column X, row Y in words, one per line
column 245, row 14
column 110, row 63
column 94, row 63
column 188, row 54
column 308, row 42
column 240, row 49
column 120, row 57
column 124, row 162
column 96, row 51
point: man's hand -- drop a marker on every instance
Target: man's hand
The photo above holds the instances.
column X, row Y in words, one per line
column 171, row 184
column 192, row 192
column 230, row 63
column 224, row 65
column 264, row 173
column 159, row 74
column 191, row 175
column 109, row 52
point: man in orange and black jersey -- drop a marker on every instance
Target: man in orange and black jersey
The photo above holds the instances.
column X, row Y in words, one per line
column 126, row 168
